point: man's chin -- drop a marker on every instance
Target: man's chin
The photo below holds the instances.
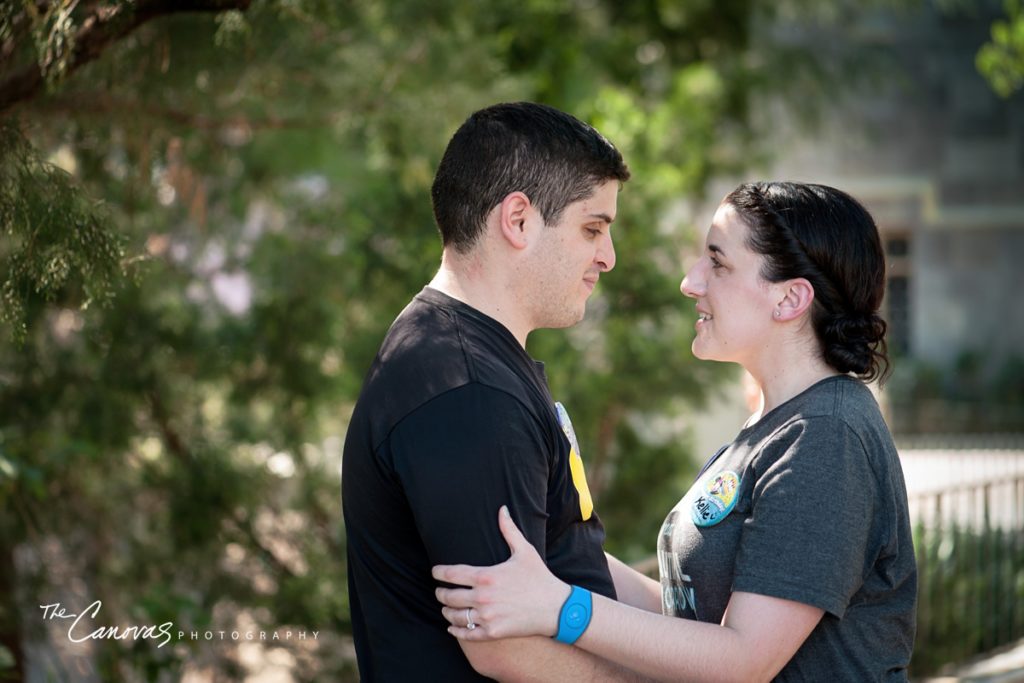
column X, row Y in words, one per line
column 566, row 319
column 578, row 315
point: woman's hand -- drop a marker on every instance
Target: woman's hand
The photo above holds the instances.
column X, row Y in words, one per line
column 518, row 597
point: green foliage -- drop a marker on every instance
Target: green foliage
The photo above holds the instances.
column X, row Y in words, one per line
column 1001, row 60
column 267, row 174
column 975, row 393
column 58, row 247
column 971, row 588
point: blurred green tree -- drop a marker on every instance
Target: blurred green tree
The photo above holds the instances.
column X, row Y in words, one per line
column 1001, row 60
column 209, row 221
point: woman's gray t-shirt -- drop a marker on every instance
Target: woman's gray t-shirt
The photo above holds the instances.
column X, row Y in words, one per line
column 818, row 515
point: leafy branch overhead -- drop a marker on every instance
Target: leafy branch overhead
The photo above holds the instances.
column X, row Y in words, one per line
column 68, row 34
column 58, row 245
column 1001, row 60
column 57, row 239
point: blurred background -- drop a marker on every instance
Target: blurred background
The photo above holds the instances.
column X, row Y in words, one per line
column 211, row 211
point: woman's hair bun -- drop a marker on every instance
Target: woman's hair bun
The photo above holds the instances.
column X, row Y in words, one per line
column 855, row 343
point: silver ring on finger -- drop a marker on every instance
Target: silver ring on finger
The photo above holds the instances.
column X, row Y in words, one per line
column 469, row 619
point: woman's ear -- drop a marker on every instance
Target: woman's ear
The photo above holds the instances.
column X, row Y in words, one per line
column 513, row 213
column 797, row 297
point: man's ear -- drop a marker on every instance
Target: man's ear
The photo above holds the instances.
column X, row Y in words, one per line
column 513, row 213
column 797, row 297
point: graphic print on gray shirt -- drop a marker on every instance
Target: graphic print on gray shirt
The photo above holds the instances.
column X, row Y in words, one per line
column 819, row 516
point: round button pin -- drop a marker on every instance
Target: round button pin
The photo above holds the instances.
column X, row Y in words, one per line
column 717, row 498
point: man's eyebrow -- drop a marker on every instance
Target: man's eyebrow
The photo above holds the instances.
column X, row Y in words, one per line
column 602, row 217
column 714, row 248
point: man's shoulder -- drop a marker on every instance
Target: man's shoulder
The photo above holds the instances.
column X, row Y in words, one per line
column 421, row 357
column 433, row 350
column 433, row 342
column 477, row 408
column 422, row 330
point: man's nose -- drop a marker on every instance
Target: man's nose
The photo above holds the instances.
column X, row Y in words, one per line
column 605, row 256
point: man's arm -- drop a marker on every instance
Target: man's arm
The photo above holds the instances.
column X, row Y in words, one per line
column 460, row 458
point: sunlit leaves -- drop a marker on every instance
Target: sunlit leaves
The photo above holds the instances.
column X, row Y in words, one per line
column 1001, row 60
column 57, row 242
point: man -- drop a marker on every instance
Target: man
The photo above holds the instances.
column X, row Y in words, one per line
column 455, row 419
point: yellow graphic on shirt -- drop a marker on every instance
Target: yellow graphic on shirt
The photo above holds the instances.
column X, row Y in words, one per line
column 579, row 476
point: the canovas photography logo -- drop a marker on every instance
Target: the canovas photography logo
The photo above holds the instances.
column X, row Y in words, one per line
column 81, row 627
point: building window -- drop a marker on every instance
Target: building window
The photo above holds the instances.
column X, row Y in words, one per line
column 897, row 292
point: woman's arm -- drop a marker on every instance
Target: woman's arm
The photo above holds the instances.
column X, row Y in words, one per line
column 633, row 588
column 542, row 660
column 520, row 597
column 756, row 638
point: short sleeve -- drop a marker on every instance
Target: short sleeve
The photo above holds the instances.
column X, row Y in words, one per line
column 462, row 456
column 812, row 506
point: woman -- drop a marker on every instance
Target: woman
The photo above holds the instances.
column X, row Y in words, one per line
column 791, row 556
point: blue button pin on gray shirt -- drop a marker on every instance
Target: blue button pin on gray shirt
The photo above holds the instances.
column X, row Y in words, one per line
column 717, row 498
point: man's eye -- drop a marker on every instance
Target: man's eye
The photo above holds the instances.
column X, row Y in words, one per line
column 715, row 263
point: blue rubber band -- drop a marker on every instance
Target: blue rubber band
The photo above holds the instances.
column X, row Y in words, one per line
column 574, row 618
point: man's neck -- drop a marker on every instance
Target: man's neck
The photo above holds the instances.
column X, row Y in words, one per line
column 467, row 283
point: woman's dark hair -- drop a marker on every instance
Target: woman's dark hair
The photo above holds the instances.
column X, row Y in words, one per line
column 552, row 157
column 825, row 236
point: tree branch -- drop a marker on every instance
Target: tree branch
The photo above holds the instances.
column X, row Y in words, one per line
column 243, row 524
column 172, row 440
column 19, row 26
column 101, row 28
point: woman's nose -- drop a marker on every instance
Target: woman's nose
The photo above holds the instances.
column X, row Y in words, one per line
column 693, row 282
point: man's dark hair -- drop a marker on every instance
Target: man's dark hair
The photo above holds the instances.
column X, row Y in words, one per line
column 550, row 156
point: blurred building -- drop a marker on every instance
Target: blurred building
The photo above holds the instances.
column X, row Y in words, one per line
column 912, row 129
column 938, row 158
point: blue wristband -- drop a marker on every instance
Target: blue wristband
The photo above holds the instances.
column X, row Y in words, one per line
column 575, row 615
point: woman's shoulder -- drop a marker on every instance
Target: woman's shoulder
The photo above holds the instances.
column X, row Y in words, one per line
column 836, row 419
column 833, row 403
column 828, row 405
column 840, row 418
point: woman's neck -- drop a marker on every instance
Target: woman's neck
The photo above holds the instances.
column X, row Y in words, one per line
column 778, row 385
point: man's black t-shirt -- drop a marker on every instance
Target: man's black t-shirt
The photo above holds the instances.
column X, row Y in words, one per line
column 454, row 420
